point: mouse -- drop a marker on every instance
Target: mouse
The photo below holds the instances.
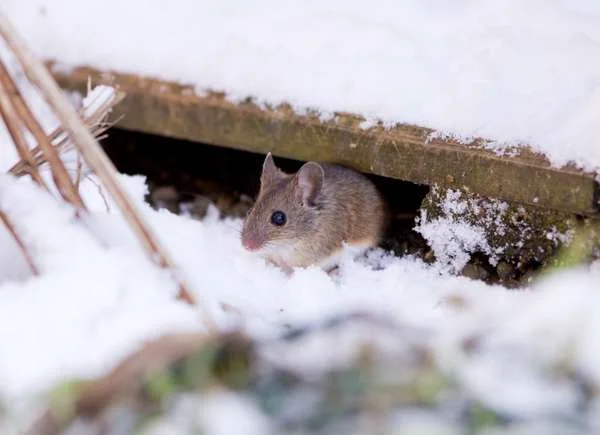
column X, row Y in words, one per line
column 313, row 216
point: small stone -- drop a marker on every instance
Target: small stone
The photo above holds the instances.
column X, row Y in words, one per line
column 511, row 252
column 528, row 277
column 504, row 270
column 475, row 271
column 224, row 203
column 165, row 197
column 200, row 206
column 241, row 208
column 238, row 211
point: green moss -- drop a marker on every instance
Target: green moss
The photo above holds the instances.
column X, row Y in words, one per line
column 583, row 246
column 482, row 418
column 515, row 233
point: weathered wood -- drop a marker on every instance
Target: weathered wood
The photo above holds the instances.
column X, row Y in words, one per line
column 403, row 152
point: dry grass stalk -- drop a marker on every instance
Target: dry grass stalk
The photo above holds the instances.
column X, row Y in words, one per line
column 59, row 172
column 91, row 398
column 60, row 140
column 96, row 122
column 11, row 229
column 14, row 127
column 126, row 384
column 91, row 152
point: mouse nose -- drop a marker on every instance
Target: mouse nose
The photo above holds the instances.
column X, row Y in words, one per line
column 250, row 242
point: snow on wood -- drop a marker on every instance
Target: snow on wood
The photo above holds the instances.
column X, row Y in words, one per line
column 405, row 152
column 467, row 69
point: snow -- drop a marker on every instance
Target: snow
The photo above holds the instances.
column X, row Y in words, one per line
column 33, row 99
column 513, row 71
column 205, row 416
column 453, row 240
column 89, row 304
column 462, row 222
column 98, row 297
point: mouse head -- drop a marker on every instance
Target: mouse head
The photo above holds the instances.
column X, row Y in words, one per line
column 286, row 209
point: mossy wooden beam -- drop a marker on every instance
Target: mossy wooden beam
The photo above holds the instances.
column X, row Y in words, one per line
column 403, row 152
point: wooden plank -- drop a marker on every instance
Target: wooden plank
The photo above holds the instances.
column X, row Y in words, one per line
column 402, row 152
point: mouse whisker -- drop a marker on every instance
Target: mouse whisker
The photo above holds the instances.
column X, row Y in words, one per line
column 231, row 226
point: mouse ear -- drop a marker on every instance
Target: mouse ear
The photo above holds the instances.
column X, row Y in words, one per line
column 270, row 172
column 309, row 180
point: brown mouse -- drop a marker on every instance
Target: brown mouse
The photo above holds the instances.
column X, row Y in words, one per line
column 306, row 218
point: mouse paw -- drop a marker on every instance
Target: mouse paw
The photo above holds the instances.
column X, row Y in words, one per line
column 287, row 270
column 333, row 271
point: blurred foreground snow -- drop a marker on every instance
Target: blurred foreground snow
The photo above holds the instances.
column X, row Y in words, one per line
column 99, row 298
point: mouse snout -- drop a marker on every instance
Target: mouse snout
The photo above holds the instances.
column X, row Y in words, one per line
column 251, row 241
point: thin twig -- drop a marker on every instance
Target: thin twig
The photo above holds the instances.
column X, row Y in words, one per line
column 14, row 127
column 100, row 192
column 91, row 151
column 11, row 229
column 59, row 140
column 96, row 122
column 79, row 170
column 125, row 382
column 59, row 172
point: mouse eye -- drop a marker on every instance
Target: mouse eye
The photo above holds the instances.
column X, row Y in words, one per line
column 278, row 218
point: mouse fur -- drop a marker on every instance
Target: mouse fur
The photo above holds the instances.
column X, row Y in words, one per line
column 326, row 207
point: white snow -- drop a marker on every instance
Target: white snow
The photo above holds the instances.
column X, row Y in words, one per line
column 453, row 241
column 464, row 221
column 33, row 99
column 205, row 415
column 89, row 304
column 513, row 71
column 98, row 297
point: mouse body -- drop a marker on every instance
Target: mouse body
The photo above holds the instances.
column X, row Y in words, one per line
column 309, row 217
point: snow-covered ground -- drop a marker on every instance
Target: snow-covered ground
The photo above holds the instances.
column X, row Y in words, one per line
column 98, row 298
column 518, row 71
column 513, row 71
